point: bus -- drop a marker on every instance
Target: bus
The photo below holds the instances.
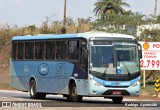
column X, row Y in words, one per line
column 90, row 64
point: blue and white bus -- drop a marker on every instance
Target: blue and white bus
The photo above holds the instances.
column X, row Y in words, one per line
column 91, row 64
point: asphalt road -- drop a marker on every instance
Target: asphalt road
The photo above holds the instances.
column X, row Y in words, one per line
column 59, row 101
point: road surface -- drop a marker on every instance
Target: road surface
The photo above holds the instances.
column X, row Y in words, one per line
column 14, row 97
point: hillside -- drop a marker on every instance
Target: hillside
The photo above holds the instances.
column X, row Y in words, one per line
column 4, row 66
column 5, row 80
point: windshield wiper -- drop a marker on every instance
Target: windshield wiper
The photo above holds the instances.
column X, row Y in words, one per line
column 129, row 73
column 104, row 73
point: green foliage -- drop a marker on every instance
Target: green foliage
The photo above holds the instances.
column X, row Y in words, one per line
column 158, row 19
column 113, row 18
column 150, row 35
column 119, row 23
column 103, row 7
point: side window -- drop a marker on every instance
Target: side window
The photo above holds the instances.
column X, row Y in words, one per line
column 29, row 50
column 14, row 50
column 61, row 50
column 20, row 54
column 73, row 49
column 84, row 58
column 39, row 49
column 50, row 50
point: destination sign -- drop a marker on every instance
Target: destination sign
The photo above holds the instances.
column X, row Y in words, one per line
column 102, row 42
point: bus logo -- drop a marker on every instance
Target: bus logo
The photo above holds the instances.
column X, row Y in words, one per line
column 43, row 69
column 116, row 83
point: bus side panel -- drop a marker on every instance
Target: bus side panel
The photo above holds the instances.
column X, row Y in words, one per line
column 50, row 77
column 19, row 82
column 59, row 76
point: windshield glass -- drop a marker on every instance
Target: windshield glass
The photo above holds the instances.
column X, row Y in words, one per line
column 127, row 58
column 114, row 58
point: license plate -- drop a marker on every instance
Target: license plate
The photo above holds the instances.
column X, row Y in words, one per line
column 116, row 93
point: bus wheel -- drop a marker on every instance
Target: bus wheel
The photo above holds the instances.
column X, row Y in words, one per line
column 42, row 96
column 117, row 100
column 33, row 92
column 68, row 98
column 73, row 94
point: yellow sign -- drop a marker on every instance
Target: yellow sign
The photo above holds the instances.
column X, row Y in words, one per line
column 157, row 80
column 157, row 85
column 157, row 89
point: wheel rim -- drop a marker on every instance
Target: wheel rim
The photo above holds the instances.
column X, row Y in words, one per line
column 32, row 90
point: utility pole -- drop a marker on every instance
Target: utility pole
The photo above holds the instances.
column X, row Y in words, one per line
column 155, row 10
column 64, row 17
column 63, row 29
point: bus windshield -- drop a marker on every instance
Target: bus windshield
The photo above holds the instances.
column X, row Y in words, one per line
column 114, row 58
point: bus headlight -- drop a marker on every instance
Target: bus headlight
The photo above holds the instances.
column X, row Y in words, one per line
column 95, row 82
column 135, row 84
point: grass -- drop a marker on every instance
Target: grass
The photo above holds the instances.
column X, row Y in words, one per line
column 148, row 90
column 149, row 87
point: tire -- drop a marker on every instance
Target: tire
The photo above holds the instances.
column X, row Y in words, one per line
column 68, row 98
column 117, row 100
column 33, row 92
column 73, row 94
column 42, row 96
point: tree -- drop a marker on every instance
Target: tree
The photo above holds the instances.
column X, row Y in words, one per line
column 109, row 6
column 126, row 23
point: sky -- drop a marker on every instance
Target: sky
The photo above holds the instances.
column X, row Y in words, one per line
column 29, row 12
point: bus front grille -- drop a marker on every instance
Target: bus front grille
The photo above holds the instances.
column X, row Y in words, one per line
column 116, row 86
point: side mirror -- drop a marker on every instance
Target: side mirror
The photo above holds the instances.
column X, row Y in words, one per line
column 140, row 50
